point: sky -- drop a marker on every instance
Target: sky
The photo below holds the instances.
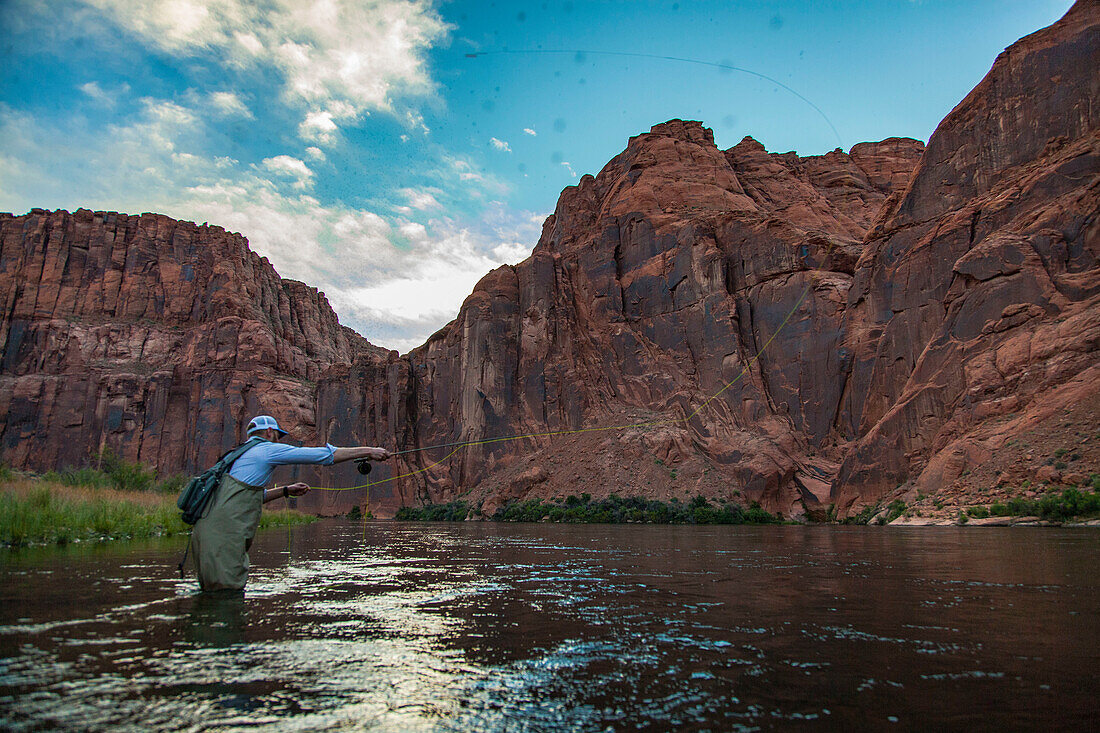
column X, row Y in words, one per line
column 392, row 152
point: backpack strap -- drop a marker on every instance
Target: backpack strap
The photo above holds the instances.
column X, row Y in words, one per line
column 224, row 464
column 230, row 457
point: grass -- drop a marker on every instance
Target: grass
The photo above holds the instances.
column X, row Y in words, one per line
column 613, row 510
column 47, row 512
column 111, row 471
column 44, row 511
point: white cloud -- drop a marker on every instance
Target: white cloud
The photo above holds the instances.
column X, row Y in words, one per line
column 285, row 165
column 102, row 96
column 512, row 252
column 318, row 127
column 315, row 154
column 529, row 131
column 394, row 281
column 230, row 105
column 569, row 168
column 249, row 43
column 415, row 120
column 421, row 199
column 500, row 145
column 336, row 57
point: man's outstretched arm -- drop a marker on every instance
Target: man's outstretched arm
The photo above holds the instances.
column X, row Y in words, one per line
column 350, row 454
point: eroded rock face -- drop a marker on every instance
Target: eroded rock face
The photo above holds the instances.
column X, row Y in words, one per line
column 976, row 299
column 156, row 337
column 654, row 285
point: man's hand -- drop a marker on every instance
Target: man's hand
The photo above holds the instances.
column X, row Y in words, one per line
column 378, row 454
column 297, row 489
column 359, row 453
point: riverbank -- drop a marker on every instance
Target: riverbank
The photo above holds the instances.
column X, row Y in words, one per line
column 584, row 509
column 1072, row 507
column 40, row 511
column 1068, row 508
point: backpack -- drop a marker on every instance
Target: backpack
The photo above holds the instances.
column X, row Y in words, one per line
column 198, row 492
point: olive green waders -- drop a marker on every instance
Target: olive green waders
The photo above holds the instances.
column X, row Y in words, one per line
column 221, row 539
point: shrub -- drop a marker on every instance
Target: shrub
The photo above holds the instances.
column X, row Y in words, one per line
column 863, row 517
column 92, row 478
column 172, row 484
column 1071, row 503
column 895, row 510
column 125, row 476
column 613, row 510
column 977, row 512
column 455, row 511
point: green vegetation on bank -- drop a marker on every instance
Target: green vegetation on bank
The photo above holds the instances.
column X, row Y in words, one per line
column 113, row 472
column 1072, row 504
column 1054, row 507
column 49, row 514
column 58, row 508
column 586, row 510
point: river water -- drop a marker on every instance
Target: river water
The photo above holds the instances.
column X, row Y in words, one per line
column 440, row 627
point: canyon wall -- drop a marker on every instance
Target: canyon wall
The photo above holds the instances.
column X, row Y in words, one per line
column 155, row 337
column 975, row 310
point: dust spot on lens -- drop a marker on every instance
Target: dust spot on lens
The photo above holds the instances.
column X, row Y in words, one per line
column 521, row 16
column 556, row 157
column 775, row 23
column 580, row 57
column 729, row 120
column 488, row 105
column 559, row 125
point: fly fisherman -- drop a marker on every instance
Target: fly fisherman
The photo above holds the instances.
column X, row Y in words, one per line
column 221, row 538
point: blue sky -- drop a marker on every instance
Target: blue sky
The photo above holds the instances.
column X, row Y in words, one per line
column 391, row 152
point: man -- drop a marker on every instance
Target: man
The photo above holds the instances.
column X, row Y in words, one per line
column 221, row 539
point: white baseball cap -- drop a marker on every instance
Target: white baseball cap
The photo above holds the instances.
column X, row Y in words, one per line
column 264, row 422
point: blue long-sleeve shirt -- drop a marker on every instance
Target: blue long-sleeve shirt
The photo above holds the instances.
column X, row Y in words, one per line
column 255, row 466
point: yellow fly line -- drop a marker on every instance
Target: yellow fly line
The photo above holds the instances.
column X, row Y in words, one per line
column 576, row 431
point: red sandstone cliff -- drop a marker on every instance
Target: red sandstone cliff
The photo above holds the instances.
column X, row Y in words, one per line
column 975, row 311
column 156, row 337
column 653, row 285
column 882, row 331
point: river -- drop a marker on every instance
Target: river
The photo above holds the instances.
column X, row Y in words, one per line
column 482, row 626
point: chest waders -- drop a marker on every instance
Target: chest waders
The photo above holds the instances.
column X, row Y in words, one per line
column 220, row 540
